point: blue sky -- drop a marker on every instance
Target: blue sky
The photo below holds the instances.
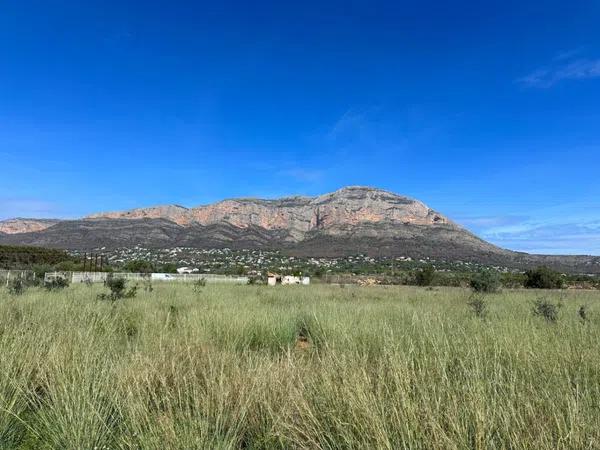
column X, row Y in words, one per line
column 487, row 111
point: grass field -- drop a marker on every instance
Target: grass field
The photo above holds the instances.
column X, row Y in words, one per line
column 291, row 367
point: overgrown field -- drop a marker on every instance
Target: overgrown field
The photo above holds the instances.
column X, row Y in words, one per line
column 292, row 367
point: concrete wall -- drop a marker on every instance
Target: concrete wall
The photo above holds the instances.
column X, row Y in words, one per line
column 100, row 277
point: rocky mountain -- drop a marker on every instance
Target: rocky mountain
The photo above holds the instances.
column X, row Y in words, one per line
column 19, row 225
column 348, row 207
column 348, row 221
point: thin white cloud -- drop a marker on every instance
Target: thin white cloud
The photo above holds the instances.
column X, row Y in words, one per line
column 352, row 123
column 490, row 221
column 568, row 54
column 538, row 237
column 549, row 76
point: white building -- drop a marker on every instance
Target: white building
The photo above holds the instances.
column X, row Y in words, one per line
column 274, row 279
column 187, row 270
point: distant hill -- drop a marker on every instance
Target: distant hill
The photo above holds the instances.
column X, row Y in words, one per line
column 345, row 222
column 19, row 225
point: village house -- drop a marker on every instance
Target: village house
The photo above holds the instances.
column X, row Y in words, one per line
column 275, row 279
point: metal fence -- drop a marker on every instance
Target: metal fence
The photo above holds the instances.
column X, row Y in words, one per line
column 100, row 277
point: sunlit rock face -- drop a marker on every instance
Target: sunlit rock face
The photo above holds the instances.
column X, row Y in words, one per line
column 331, row 213
column 16, row 226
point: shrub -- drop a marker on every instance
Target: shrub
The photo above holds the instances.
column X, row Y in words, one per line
column 16, row 286
column 582, row 312
column 478, row 305
column 118, row 289
column 546, row 309
column 486, row 281
column 512, row 280
column 57, row 283
column 199, row 284
column 139, row 266
column 543, row 278
column 424, row 277
column 40, row 271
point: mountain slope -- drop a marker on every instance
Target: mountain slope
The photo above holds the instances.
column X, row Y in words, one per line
column 349, row 221
column 20, row 225
column 298, row 215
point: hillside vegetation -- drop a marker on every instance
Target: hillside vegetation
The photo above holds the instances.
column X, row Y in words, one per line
column 22, row 257
column 185, row 367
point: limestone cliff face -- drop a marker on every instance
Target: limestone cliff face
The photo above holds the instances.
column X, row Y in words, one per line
column 175, row 213
column 16, row 226
column 330, row 213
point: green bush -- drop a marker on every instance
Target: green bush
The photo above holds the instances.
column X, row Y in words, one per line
column 424, row 277
column 16, row 286
column 512, row 280
column 118, row 289
column 543, row 278
column 478, row 305
column 56, row 283
column 13, row 257
column 486, row 281
column 547, row 310
column 169, row 268
column 139, row 266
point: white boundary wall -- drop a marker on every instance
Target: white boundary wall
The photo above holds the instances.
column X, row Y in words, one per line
column 7, row 275
column 100, row 277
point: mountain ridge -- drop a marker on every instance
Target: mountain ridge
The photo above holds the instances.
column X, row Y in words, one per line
column 354, row 219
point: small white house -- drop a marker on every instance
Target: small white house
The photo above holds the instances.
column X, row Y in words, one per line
column 274, row 279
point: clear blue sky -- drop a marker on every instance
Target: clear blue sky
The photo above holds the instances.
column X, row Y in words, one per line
column 487, row 111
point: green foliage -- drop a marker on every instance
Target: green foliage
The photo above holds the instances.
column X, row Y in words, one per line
column 57, row 283
column 118, row 289
column 478, row 305
column 17, row 286
column 314, row 367
column 512, row 280
column 15, row 257
column 543, row 278
column 582, row 313
column 40, row 271
column 68, row 266
column 425, row 276
column 486, row 281
column 546, row 309
column 139, row 266
column 168, row 268
column 199, row 284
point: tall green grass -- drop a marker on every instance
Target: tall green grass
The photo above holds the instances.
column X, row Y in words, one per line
column 295, row 367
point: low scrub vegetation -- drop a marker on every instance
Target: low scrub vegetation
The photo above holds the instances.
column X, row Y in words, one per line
column 293, row 367
column 19, row 257
column 486, row 281
column 118, row 289
column 543, row 278
column 542, row 307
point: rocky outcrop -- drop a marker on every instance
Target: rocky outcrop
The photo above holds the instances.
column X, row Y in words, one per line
column 350, row 206
column 16, row 226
